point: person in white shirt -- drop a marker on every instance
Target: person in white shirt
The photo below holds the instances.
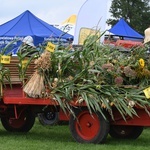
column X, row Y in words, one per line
column 147, row 35
column 27, row 46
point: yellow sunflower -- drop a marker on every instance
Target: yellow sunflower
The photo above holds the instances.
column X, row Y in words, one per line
column 142, row 63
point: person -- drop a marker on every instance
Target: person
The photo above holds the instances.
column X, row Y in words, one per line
column 27, row 46
column 147, row 35
column 147, row 39
column 28, row 40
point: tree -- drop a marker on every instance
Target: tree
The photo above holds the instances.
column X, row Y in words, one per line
column 135, row 12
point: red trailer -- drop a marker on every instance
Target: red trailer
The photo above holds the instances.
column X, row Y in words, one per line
column 18, row 112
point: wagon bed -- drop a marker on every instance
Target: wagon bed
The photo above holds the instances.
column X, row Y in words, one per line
column 15, row 95
column 89, row 128
column 18, row 112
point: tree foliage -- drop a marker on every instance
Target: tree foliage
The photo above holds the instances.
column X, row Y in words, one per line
column 135, row 12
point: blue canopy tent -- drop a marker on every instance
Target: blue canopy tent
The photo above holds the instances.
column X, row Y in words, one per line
column 28, row 24
column 122, row 29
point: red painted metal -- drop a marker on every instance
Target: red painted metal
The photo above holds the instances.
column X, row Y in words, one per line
column 128, row 44
column 28, row 101
column 63, row 116
column 15, row 110
column 18, row 121
column 16, row 96
column 142, row 118
column 18, row 113
column 87, row 125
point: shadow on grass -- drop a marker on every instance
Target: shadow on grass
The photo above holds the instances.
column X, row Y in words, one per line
column 41, row 133
column 61, row 133
column 142, row 140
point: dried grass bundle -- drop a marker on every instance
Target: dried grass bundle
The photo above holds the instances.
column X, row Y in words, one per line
column 44, row 61
column 35, row 87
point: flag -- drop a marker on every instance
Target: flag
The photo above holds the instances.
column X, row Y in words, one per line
column 92, row 15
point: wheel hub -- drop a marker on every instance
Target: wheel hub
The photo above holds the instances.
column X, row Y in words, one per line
column 89, row 124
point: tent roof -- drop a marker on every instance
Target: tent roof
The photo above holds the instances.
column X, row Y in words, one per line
column 70, row 20
column 28, row 24
column 121, row 28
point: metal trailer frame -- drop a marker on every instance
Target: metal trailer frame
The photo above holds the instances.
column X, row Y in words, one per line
column 18, row 112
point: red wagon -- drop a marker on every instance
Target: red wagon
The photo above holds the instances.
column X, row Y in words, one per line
column 18, row 113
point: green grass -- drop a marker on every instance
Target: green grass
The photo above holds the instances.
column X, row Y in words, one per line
column 59, row 138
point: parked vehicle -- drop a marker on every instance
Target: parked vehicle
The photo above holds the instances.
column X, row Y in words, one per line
column 110, row 109
column 18, row 114
column 122, row 43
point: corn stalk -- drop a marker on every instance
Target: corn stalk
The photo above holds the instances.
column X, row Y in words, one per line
column 28, row 55
column 99, row 76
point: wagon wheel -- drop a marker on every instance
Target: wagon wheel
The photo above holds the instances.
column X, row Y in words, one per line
column 125, row 132
column 23, row 124
column 48, row 118
column 88, row 128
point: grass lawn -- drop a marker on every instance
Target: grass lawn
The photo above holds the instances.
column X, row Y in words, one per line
column 59, row 138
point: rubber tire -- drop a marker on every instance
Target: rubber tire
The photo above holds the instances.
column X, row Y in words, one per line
column 125, row 132
column 48, row 118
column 98, row 126
column 23, row 124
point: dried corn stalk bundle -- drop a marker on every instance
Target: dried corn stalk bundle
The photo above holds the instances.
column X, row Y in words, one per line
column 44, row 61
column 35, row 86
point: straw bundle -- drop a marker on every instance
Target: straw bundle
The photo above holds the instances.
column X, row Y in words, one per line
column 44, row 61
column 35, row 86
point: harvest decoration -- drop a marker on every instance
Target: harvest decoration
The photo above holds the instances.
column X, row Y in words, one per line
column 35, row 87
column 101, row 77
column 142, row 63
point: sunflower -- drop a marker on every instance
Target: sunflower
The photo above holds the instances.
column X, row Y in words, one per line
column 142, row 63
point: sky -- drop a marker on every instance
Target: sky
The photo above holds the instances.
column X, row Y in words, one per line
column 50, row 11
